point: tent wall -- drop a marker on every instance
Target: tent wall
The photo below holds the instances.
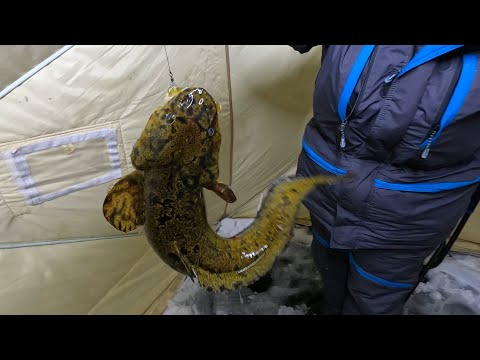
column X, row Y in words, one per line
column 89, row 90
column 469, row 239
column 72, row 126
column 16, row 60
column 272, row 90
column 107, row 91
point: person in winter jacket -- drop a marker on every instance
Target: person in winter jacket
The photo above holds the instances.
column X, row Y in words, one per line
column 399, row 125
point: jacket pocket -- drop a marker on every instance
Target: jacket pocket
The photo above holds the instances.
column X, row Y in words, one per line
column 459, row 91
column 420, row 213
column 323, row 200
column 320, row 161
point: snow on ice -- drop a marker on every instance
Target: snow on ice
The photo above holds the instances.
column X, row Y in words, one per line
column 453, row 288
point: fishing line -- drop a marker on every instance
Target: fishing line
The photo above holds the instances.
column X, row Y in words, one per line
column 169, row 69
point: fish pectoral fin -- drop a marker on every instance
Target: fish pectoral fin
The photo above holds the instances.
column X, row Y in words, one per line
column 124, row 205
column 223, row 191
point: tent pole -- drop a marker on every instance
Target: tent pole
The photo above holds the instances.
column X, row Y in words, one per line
column 441, row 252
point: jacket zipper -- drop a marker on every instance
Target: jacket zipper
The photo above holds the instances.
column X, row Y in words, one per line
column 426, row 151
column 436, row 125
column 387, row 82
column 343, row 125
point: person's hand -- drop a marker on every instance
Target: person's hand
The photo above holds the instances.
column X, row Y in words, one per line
column 302, row 49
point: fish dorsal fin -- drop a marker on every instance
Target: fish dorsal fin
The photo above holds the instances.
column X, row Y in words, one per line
column 124, row 205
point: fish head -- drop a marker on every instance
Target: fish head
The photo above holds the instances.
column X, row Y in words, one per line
column 183, row 135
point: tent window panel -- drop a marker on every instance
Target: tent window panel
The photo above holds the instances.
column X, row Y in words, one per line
column 58, row 166
column 89, row 156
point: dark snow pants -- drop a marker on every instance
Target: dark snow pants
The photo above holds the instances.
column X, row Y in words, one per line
column 366, row 281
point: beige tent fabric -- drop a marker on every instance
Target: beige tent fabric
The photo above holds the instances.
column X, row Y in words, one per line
column 250, row 208
column 146, row 283
column 272, row 89
column 89, row 90
column 65, row 278
column 469, row 239
column 66, row 135
column 16, row 60
column 92, row 89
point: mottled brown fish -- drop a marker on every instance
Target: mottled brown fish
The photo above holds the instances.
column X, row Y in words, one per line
column 175, row 157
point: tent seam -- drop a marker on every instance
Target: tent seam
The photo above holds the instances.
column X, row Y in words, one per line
column 6, row 204
column 120, row 122
column 161, row 293
column 21, row 245
column 109, row 291
column 261, row 191
column 230, row 99
column 39, row 67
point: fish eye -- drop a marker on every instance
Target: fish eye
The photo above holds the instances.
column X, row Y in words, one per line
column 170, row 118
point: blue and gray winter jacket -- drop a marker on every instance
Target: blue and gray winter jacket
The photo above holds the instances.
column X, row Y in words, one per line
column 404, row 121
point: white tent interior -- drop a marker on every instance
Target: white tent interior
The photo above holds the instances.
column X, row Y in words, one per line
column 69, row 116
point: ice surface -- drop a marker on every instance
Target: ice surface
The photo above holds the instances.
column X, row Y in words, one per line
column 453, row 288
column 295, row 284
